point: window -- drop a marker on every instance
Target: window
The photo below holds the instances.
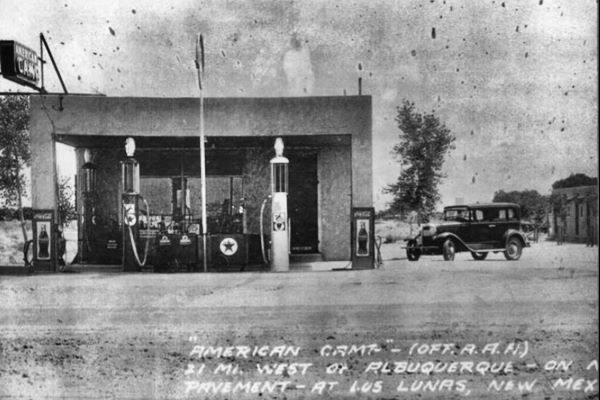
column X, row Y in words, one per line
column 502, row 215
column 511, row 213
column 478, row 215
column 456, row 214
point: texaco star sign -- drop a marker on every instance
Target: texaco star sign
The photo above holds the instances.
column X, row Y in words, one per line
column 228, row 246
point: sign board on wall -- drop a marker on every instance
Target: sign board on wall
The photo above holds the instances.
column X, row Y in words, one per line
column 44, row 241
column 363, row 241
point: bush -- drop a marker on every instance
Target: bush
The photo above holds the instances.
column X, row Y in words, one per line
column 389, row 238
column 27, row 213
column 6, row 214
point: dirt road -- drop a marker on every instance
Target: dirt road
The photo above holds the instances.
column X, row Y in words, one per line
column 430, row 329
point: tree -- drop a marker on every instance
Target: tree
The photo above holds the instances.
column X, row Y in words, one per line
column 534, row 206
column 15, row 154
column 424, row 142
column 66, row 201
column 575, row 180
column 558, row 203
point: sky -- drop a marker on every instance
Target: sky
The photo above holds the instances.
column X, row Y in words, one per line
column 515, row 81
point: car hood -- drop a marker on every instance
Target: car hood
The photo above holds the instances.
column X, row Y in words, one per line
column 447, row 226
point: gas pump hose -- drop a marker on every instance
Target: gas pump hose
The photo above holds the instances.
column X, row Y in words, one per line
column 134, row 245
column 262, row 235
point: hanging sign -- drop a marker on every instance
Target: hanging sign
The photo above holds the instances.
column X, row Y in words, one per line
column 18, row 63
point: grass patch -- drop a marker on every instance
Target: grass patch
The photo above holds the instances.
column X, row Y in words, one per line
column 392, row 230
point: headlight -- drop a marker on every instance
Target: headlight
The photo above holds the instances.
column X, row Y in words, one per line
column 428, row 230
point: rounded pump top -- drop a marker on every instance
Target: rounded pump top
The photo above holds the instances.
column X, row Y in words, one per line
column 87, row 156
column 129, row 146
column 87, row 161
column 278, row 147
column 279, row 158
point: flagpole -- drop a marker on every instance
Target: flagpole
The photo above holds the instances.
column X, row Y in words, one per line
column 200, row 68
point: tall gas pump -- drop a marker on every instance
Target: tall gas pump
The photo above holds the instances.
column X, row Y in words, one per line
column 130, row 170
column 87, row 183
column 280, row 246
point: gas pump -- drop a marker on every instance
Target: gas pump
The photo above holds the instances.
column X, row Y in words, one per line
column 130, row 170
column 88, row 212
column 280, row 258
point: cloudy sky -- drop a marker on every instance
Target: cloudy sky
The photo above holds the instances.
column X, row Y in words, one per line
column 515, row 81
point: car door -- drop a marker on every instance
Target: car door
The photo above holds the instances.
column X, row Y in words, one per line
column 478, row 236
column 501, row 223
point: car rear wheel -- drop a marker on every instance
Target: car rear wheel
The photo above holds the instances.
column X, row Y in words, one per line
column 478, row 256
column 412, row 252
column 449, row 250
column 514, row 248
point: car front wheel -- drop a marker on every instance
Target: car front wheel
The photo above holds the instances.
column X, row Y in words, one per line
column 412, row 252
column 478, row 256
column 449, row 250
column 514, row 248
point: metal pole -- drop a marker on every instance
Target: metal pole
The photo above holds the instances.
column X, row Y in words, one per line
column 200, row 68
column 203, row 181
column 42, row 62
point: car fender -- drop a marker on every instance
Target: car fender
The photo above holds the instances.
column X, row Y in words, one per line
column 449, row 235
column 513, row 232
column 417, row 240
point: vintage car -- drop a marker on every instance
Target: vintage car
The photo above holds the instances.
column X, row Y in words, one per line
column 476, row 228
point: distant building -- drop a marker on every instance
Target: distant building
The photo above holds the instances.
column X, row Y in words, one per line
column 578, row 219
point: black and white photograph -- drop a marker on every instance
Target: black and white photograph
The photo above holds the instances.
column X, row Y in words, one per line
column 299, row 199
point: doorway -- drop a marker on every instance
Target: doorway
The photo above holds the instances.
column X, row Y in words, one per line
column 303, row 203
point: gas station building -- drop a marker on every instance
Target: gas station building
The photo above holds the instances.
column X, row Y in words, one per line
column 328, row 141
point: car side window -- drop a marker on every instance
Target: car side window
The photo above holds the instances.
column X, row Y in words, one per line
column 511, row 214
column 489, row 215
column 502, row 215
column 478, row 215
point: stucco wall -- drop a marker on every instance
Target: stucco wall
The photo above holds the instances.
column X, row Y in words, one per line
column 43, row 165
column 119, row 116
column 108, row 184
column 257, row 186
column 157, row 192
column 335, row 193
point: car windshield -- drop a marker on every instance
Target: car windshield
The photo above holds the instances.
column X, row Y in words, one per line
column 456, row 214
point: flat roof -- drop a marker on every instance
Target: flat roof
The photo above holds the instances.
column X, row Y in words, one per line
column 190, row 143
column 165, row 119
column 484, row 205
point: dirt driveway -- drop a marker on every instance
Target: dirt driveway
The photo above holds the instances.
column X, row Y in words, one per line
column 430, row 329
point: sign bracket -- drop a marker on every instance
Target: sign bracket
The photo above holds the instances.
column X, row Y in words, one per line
column 45, row 44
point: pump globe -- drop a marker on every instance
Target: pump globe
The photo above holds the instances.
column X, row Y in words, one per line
column 278, row 147
column 129, row 146
column 87, row 156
